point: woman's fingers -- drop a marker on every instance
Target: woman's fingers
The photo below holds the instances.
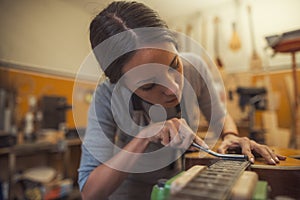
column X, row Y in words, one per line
column 189, row 136
column 248, row 146
column 267, row 153
column 175, row 136
column 165, row 136
column 166, row 133
column 186, row 134
column 280, row 157
column 180, row 134
column 234, row 141
column 223, row 147
column 228, row 143
column 176, row 133
column 200, row 142
column 246, row 149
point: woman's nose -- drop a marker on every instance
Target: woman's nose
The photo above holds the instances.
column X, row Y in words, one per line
column 171, row 87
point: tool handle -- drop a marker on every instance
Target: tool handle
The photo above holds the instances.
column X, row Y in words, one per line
column 220, row 155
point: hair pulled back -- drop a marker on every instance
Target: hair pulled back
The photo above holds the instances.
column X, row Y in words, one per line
column 117, row 18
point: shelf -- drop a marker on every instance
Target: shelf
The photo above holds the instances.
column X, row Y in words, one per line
column 63, row 147
column 288, row 46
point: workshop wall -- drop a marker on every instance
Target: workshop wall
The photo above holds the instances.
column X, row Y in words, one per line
column 26, row 84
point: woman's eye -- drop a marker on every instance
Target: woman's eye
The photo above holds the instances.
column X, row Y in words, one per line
column 174, row 68
column 175, row 65
column 147, row 87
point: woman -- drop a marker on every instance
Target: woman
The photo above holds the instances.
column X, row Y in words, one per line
column 145, row 115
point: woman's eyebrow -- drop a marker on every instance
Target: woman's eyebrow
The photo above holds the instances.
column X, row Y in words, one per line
column 150, row 80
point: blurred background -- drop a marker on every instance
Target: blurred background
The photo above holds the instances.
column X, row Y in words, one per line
column 254, row 44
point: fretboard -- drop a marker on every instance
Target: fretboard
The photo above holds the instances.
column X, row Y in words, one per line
column 214, row 183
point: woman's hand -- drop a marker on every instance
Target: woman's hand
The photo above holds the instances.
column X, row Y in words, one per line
column 247, row 145
column 173, row 132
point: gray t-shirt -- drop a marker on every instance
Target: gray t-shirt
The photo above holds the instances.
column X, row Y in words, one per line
column 116, row 116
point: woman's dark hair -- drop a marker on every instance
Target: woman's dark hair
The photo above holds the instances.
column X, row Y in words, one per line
column 116, row 18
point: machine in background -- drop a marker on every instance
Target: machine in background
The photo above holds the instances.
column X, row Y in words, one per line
column 255, row 99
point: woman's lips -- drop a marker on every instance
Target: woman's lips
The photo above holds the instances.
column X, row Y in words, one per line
column 172, row 100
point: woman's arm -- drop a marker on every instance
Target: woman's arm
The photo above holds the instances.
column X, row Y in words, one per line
column 103, row 180
column 229, row 127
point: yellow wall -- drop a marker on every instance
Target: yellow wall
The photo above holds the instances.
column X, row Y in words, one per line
column 26, row 83
column 31, row 83
column 278, row 84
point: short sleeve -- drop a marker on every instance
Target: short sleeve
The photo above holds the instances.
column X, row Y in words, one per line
column 98, row 141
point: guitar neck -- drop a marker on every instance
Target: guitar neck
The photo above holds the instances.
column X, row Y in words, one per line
column 216, row 182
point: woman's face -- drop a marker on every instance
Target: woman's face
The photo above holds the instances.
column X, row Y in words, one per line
column 155, row 75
